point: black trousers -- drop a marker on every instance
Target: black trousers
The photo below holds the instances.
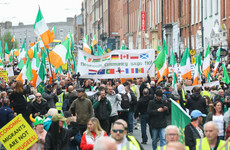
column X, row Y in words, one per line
column 124, row 115
column 111, row 121
column 82, row 128
column 105, row 125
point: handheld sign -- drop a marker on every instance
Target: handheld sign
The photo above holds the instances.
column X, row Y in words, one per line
column 17, row 134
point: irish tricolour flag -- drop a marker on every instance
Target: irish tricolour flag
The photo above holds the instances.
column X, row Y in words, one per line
column 217, row 62
column 185, row 65
column 206, row 63
column 42, row 30
column 161, row 65
column 58, row 56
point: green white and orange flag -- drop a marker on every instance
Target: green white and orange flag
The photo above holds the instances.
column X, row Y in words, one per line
column 161, row 65
column 196, row 75
column 225, row 78
column 206, row 63
column 173, row 63
column 35, row 65
column 217, row 62
column 42, row 30
column 21, row 57
column 13, row 38
column 185, row 68
column 86, row 47
column 7, row 49
column 26, row 72
column 40, row 77
column 53, row 31
column 94, row 41
column 175, row 81
column 58, row 56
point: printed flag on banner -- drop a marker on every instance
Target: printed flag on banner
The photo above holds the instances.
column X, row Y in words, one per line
column 206, row 63
column 185, row 65
column 137, row 70
column 217, row 62
column 115, row 57
column 125, row 56
column 179, row 118
column 92, row 72
column 106, row 58
column 134, row 57
column 42, row 30
column 144, row 56
column 101, row 72
column 110, row 71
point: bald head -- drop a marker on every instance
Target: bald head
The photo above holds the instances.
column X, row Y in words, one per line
column 124, row 124
column 70, row 88
column 105, row 143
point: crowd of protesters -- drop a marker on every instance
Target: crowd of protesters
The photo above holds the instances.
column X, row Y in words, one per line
column 80, row 113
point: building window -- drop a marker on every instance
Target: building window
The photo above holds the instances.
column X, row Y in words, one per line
column 192, row 12
column 224, row 9
column 216, row 7
column 205, row 9
column 210, row 8
column 197, row 10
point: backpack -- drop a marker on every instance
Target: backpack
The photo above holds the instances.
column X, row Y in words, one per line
column 124, row 101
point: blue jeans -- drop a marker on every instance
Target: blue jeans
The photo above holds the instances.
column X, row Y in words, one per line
column 143, row 120
column 131, row 121
column 155, row 133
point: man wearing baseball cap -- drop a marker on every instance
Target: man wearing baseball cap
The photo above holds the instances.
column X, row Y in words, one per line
column 194, row 130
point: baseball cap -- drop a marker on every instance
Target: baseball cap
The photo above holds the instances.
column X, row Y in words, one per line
column 196, row 113
column 81, row 90
column 58, row 117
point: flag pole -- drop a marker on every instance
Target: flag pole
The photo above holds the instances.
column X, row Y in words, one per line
column 50, row 64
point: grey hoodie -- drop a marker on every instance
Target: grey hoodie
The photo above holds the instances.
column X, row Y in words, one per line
column 114, row 100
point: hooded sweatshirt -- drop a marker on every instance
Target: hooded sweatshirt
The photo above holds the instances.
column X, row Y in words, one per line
column 196, row 101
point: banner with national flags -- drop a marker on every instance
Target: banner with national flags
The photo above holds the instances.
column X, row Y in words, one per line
column 179, row 118
column 116, row 64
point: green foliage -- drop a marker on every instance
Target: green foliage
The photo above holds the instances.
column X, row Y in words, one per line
column 6, row 38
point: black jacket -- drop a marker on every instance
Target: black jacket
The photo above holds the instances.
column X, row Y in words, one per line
column 132, row 104
column 142, row 105
column 157, row 119
column 191, row 134
column 196, row 101
column 63, row 138
column 50, row 97
column 35, row 107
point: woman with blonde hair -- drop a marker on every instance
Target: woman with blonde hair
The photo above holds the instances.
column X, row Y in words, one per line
column 92, row 133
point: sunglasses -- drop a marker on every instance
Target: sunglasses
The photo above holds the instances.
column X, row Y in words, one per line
column 38, row 96
column 116, row 130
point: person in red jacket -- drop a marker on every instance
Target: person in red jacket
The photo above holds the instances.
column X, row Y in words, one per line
column 92, row 133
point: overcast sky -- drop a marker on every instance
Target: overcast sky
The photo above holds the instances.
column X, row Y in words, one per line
column 26, row 10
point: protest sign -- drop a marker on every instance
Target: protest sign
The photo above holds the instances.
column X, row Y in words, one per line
column 116, row 64
column 10, row 71
column 3, row 74
column 17, row 134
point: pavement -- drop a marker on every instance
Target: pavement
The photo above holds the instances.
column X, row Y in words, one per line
column 137, row 135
